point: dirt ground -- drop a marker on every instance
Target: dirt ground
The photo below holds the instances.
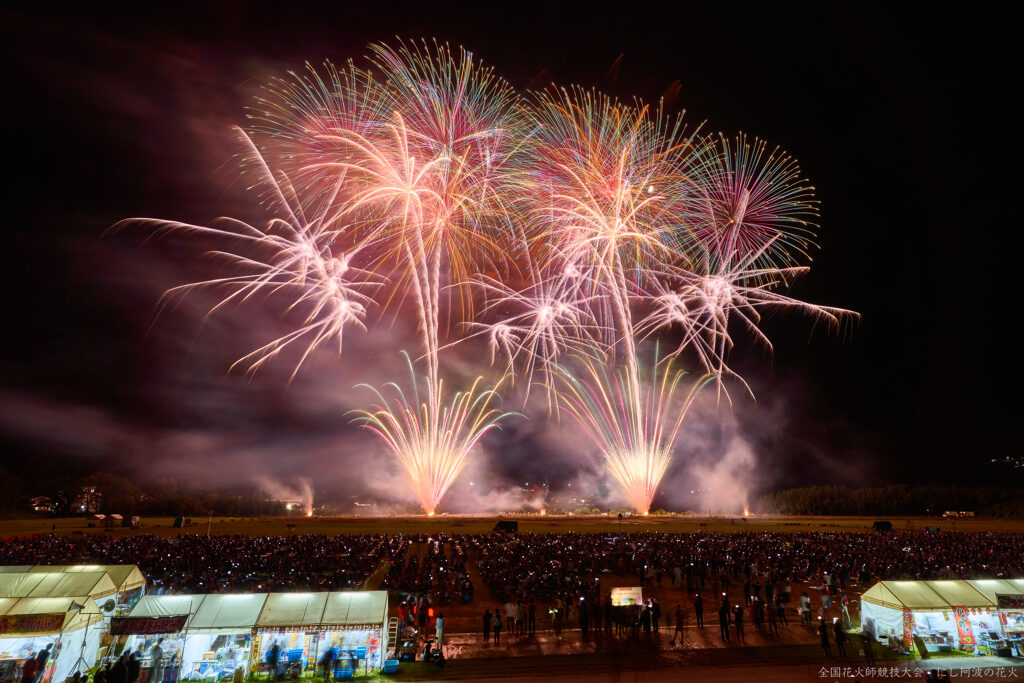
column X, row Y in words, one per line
column 478, row 524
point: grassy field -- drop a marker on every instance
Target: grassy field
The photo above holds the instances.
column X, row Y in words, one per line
column 473, row 524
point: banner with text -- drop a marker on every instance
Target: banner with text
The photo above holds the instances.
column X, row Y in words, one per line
column 124, row 626
column 963, row 627
column 623, row 597
column 1013, row 601
column 31, row 623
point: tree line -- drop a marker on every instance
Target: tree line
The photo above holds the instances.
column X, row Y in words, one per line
column 894, row 499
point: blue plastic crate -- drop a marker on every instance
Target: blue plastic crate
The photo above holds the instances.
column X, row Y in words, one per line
column 343, row 673
column 391, row 666
column 295, row 655
column 361, row 653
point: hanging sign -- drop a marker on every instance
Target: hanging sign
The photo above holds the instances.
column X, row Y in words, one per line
column 1014, row 601
column 148, row 626
column 908, row 627
column 31, row 623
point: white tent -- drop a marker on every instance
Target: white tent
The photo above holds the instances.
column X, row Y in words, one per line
column 126, row 577
column 218, row 635
column 227, row 614
column 95, row 584
column 292, row 612
column 72, row 622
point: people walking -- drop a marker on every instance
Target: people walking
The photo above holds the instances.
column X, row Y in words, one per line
column 738, row 617
column 840, row 636
column 680, row 622
column 487, row 625
column 723, row 621
column 698, row 609
column 825, row 644
column 497, row 627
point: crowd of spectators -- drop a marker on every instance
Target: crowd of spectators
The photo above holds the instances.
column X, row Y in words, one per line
column 219, row 564
column 528, row 566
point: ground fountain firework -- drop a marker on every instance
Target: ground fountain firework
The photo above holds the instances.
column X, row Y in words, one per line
column 564, row 227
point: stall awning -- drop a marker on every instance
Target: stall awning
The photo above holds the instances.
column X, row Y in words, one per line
column 991, row 587
column 292, row 611
column 126, row 577
column 227, row 614
column 47, row 616
column 95, row 584
column 353, row 608
column 915, row 595
column 960, row 594
column 155, row 606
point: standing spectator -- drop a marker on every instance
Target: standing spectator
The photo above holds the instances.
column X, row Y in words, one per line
column 723, row 621
column 823, row 632
column 738, row 612
column 133, row 668
column 656, row 614
column 680, row 621
column 497, row 627
column 487, row 625
column 698, row 609
column 840, row 639
column 805, row 608
column 439, row 630
column 773, row 618
column 866, row 643
column 156, row 661
column 780, row 611
column 29, row 669
column 41, row 659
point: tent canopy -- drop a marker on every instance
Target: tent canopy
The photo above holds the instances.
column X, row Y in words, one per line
column 226, row 614
column 941, row 596
column 960, row 594
column 166, row 605
column 79, row 611
column 292, row 611
column 915, row 595
column 95, row 584
column 125, row 576
column 356, row 607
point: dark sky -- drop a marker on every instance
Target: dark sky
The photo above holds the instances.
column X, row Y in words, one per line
column 905, row 121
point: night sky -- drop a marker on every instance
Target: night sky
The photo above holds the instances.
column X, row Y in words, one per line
column 904, row 121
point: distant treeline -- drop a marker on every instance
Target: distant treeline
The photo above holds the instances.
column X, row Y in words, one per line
column 894, row 500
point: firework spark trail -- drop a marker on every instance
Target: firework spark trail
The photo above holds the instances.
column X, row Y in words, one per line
column 306, row 261
column 433, row 440
column 426, row 161
column 582, row 224
column 635, row 437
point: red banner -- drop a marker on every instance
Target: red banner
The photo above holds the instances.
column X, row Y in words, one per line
column 963, row 626
column 1015, row 601
column 123, row 626
column 31, row 623
column 908, row 628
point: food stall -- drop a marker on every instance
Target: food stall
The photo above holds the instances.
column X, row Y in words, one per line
column 71, row 625
column 894, row 611
column 1008, row 597
column 129, row 582
column 292, row 622
column 965, row 615
column 218, row 637
column 157, row 619
column 354, row 625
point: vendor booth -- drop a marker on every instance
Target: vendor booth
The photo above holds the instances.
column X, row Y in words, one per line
column 943, row 615
column 218, row 636
column 128, row 580
column 354, row 632
column 97, row 585
column 291, row 622
column 155, row 631
column 71, row 626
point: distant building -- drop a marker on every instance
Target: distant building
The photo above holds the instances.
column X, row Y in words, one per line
column 87, row 499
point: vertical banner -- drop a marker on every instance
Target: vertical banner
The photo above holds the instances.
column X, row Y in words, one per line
column 908, row 628
column 963, row 627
